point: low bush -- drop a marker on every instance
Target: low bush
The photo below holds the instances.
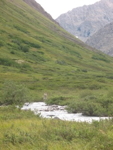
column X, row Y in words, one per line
column 24, row 48
column 35, row 45
column 100, row 57
column 14, row 94
column 75, row 107
column 19, row 28
column 56, row 100
column 92, row 105
column 2, row 43
column 93, row 109
column 8, row 62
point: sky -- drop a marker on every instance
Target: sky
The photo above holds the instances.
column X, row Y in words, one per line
column 57, row 7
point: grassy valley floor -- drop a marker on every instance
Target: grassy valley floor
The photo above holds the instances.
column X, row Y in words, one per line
column 22, row 130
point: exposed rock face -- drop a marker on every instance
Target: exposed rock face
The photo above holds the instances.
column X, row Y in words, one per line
column 103, row 39
column 87, row 20
column 39, row 8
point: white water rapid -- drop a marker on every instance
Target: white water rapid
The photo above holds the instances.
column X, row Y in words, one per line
column 58, row 112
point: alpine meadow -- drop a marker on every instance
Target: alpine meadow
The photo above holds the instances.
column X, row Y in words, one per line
column 38, row 56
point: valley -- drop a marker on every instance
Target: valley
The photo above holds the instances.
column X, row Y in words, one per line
column 38, row 56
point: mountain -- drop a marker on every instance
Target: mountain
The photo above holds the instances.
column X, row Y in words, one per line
column 84, row 21
column 103, row 39
column 36, row 51
column 40, row 9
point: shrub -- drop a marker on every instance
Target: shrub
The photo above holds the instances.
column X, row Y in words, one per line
column 93, row 109
column 56, row 100
column 14, row 94
column 75, row 107
column 100, row 57
column 12, row 52
column 24, row 48
column 92, row 106
column 8, row 62
column 34, row 45
column 19, row 28
column 1, row 43
column 30, row 44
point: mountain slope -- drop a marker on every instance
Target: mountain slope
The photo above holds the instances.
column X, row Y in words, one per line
column 103, row 39
column 39, row 53
column 87, row 20
column 39, row 8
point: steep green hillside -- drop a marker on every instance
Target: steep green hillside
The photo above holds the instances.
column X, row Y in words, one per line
column 39, row 53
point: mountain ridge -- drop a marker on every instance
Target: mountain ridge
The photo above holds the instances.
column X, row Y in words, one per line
column 102, row 39
column 39, row 8
column 84, row 21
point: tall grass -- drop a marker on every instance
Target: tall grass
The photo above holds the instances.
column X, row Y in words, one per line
column 22, row 130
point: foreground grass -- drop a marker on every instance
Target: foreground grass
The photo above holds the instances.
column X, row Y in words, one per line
column 23, row 130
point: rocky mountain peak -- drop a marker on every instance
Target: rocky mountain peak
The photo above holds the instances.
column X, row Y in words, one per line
column 103, row 39
column 84, row 21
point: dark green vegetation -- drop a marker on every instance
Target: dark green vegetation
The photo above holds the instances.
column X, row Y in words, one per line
column 14, row 94
column 22, row 130
column 93, row 105
column 39, row 54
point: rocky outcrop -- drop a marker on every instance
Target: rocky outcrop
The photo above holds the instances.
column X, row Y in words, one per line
column 103, row 39
column 84, row 21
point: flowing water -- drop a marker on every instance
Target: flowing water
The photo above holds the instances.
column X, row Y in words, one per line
column 58, row 112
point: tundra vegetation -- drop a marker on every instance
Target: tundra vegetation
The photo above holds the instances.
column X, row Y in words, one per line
column 37, row 56
column 23, row 130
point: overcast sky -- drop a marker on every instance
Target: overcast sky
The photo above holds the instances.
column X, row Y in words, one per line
column 57, row 7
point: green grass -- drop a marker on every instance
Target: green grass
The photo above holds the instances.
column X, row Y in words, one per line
column 38, row 53
column 23, row 130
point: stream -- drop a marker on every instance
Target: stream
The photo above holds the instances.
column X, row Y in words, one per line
column 58, row 112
